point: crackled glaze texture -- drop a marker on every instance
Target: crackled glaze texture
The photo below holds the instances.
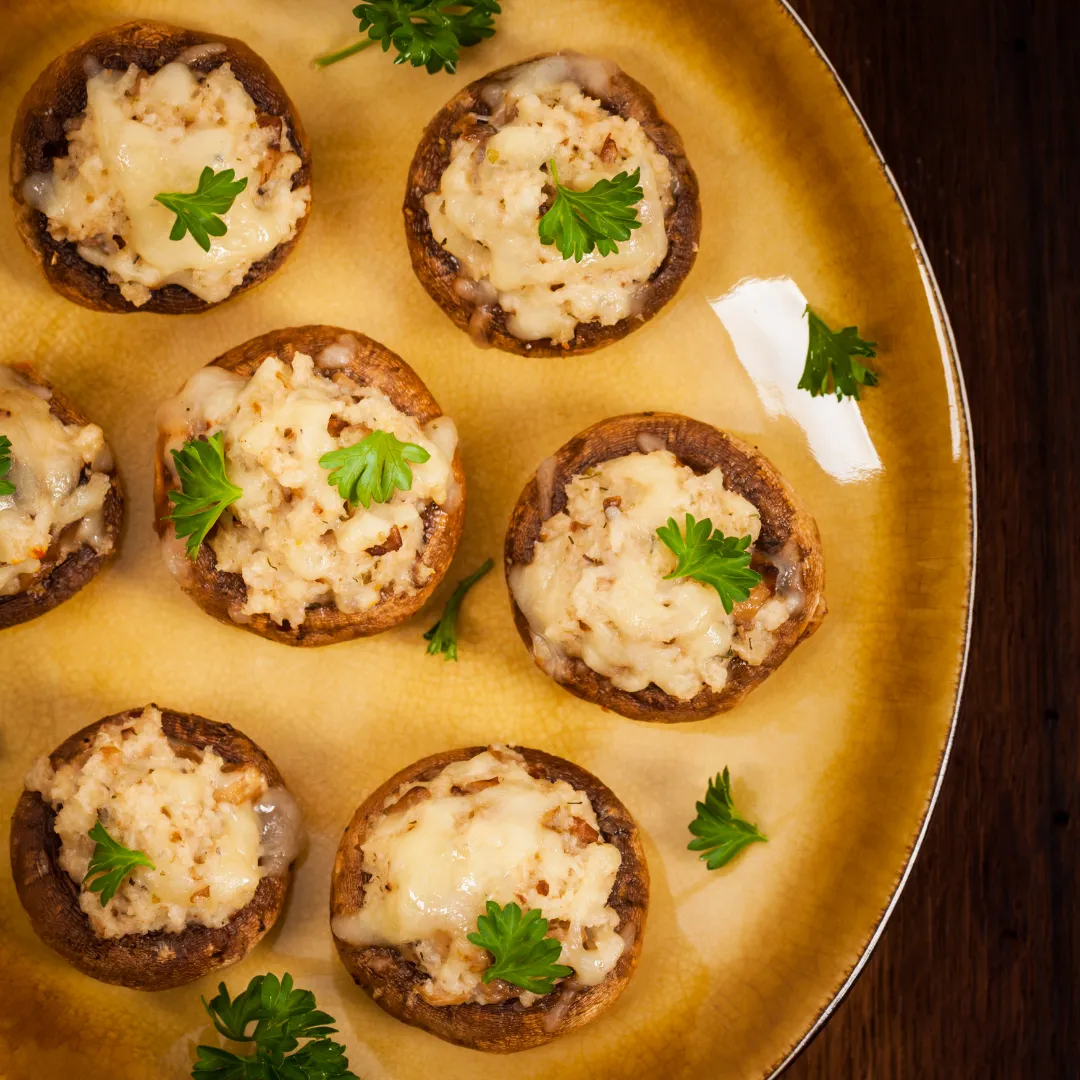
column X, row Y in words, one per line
column 836, row 755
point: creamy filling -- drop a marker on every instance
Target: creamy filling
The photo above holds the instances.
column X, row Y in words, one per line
column 211, row 830
column 142, row 135
column 61, row 477
column 485, row 829
column 596, row 589
column 291, row 536
column 490, row 196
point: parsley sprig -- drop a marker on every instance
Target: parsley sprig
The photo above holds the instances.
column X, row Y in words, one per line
column 426, row 33
column 831, row 355
column 6, row 486
column 371, row 469
column 110, row 864
column 282, row 1017
column 197, row 211
column 523, row 954
column 721, row 834
column 442, row 637
column 205, row 490
column 711, row 558
column 578, row 222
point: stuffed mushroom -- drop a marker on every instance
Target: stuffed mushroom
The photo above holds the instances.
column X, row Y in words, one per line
column 334, row 483
column 512, row 836
column 154, row 847
column 61, row 506
column 489, row 183
column 158, row 169
column 662, row 568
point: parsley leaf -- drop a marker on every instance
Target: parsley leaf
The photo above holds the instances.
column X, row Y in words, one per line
column 205, row 490
column 282, row 1016
column 523, row 954
column 831, row 353
column 426, row 33
column 579, row 221
column 6, row 486
column 442, row 637
column 197, row 211
column 711, row 558
column 110, row 864
column 373, row 467
column 721, row 833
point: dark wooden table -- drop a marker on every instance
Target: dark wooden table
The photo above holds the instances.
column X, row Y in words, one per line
column 976, row 106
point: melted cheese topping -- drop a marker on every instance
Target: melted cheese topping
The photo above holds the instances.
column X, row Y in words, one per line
column 488, row 205
column 195, row 820
column 142, row 135
column 61, row 477
column 484, row 829
column 291, row 536
column 596, row 587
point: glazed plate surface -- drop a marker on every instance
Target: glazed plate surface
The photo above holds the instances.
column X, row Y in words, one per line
column 837, row 756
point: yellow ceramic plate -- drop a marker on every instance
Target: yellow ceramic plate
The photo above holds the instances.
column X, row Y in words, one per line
column 838, row 756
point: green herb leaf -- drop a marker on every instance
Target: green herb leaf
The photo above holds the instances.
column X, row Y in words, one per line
column 197, row 211
column 110, row 864
column 6, row 486
column 373, row 468
column 425, row 33
column 579, row 221
column 205, row 490
column 831, row 354
column 442, row 637
column 711, row 558
column 523, row 954
column 282, row 1016
column 721, row 833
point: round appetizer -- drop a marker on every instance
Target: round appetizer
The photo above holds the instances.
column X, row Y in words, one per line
column 661, row 568
column 158, row 169
column 61, row 507
column 308, row 487
column 550, row 208
column 153, row 847
column 494, row 897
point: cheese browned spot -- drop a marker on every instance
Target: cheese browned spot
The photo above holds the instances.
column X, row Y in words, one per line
column 211, row 830
column 61, row 474
column 492, row 194
column 485, row 829
column 292, row 536
column 596, row 589
column 142, row 135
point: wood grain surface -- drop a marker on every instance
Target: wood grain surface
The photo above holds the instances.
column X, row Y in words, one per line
column 975, row 106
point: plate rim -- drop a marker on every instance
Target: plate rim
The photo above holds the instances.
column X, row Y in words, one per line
column 967, row 446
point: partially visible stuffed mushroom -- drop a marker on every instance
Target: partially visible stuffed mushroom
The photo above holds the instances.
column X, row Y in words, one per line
column 515, row 199
column 158, row 169
column 308, row 487
column 61, row 506
column 662, row 568
column 154, row 847
column 495, row 897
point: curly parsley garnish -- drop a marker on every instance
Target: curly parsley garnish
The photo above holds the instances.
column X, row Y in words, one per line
column 371, row 469
column 442, row 637
column 721, row 833
column 579, row 221
column 282, row 1017
column 426, row 33
column 197, row 211
column 205, row 490
column 523, row 955
column 831, row 355
column 711, row 558
column 6, row 486
column 110, row 864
